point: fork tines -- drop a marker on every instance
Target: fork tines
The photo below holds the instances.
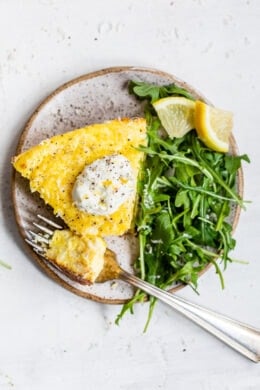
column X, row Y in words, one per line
column 39, row 241
column 49, row 222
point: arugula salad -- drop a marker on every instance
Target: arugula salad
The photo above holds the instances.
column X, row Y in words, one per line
column 186, row 195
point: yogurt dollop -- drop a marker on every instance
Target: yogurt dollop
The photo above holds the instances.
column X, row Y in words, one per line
column 104, row 185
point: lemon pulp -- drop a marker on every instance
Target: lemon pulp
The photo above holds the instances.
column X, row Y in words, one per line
column 176, row 115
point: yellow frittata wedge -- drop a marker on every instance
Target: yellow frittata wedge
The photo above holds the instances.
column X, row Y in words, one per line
column 53, row 166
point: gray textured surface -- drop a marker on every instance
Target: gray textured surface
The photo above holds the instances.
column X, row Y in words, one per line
column 51, row 338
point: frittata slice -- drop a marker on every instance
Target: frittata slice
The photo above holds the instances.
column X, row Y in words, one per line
column 81, row 258
column 53, row 166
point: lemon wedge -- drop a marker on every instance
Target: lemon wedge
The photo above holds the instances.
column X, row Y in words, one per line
column 213, row 126
column 176, row 115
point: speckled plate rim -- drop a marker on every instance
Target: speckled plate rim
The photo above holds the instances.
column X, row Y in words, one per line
column 48, row 269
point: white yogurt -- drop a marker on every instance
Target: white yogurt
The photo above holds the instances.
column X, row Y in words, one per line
column 103, row 186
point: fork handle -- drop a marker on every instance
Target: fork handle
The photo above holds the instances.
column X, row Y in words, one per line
column 241, row 337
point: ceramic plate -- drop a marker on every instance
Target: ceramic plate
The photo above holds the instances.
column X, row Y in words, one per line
column 92, row 98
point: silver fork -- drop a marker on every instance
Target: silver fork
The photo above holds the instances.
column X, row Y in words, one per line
column 243, row 338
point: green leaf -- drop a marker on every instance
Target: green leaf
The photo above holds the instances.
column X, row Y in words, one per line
column 144, row 90
column 3, row 264
column 233, row 163
column 154, row 92
column 163, row 230
column 182, row 199
column 173, row 89
column 187, row 274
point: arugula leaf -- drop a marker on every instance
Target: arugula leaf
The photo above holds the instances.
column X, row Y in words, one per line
column 163, row 232
column 144, row 91
column 4, row 264
column 233, row 163
column 154, row 92
column 185, row 193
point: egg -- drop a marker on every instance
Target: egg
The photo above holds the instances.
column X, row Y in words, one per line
column 82, row 258
column 53, row 167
